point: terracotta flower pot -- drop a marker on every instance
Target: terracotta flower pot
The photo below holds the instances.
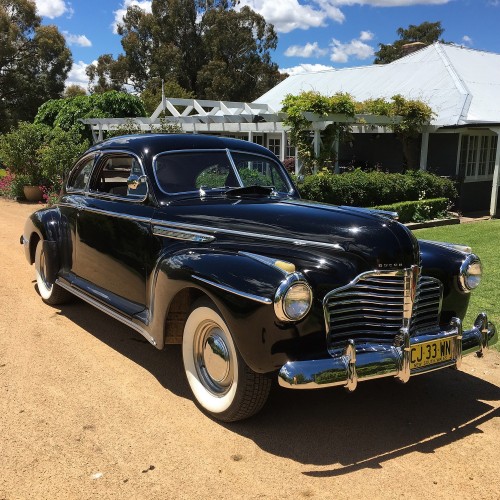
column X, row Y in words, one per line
column 32, row 193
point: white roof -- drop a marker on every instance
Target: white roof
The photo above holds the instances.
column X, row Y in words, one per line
column 461, row 85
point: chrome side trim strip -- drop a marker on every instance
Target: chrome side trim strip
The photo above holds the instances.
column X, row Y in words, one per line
column 107, row 310
column 282, row 239
column 182, row 235
column 195, row 228
column 256, row 298
column 264, row 260
column 136, row 218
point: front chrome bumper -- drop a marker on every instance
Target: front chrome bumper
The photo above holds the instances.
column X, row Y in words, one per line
column 359, row 362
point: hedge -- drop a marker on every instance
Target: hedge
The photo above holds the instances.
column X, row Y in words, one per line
column 368, row 189
column 418, row 211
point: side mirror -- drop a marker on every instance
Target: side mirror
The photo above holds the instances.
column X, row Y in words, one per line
column 137, row 186
column 134, row 181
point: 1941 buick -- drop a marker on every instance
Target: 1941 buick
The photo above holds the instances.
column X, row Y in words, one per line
column 204, row 241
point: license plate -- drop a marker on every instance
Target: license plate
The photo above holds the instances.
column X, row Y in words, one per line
column 430, row 353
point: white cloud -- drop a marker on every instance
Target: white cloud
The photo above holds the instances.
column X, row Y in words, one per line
column 389, row 3
column 77, row 74
column 366, row 36
column 288, row 15
column 143, row 4
column 467, row 40
column 356, row 48
column 307, row 50
column 80, row 40
column 305, row 68
column 52, row 8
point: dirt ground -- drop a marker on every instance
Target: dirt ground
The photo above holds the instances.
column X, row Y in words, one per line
column 88, row 409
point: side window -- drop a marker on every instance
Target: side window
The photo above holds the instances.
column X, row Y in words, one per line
column 112, row 175
column 80, row 175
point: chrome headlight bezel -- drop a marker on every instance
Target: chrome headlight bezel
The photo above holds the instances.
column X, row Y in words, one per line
column 469, row 281
column 292, row 282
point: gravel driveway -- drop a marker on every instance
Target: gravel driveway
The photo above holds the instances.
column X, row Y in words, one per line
column 88, row 409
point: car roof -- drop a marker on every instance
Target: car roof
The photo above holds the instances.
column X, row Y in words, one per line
column 149, row 145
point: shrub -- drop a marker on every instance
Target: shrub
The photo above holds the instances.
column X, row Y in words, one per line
column 59, row 154
column 418, row 211
column 368, row 189
column 19, row 150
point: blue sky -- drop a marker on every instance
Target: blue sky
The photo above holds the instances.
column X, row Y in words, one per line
column 313, row 34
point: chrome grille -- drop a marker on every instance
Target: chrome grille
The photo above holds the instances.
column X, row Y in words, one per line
column 372, row 307
column 427, row 308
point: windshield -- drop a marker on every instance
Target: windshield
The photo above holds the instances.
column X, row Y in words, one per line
column 190, row 171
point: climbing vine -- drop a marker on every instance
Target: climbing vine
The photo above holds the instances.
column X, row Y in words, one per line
column 414, row 115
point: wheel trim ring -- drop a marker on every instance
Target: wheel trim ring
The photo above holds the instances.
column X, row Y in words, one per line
column 217, row 379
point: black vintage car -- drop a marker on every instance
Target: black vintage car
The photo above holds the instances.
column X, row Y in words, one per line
column 204, row 241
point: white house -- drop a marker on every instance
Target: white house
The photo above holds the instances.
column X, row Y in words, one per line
column 461, row 85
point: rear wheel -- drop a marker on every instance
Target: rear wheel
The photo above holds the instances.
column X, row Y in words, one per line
column 50, row 292
column 222, row 383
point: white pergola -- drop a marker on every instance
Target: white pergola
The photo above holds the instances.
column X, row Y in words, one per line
column 228, row 117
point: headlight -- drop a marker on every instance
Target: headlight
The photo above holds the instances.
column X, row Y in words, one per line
column 293, row 298
column 470, row 273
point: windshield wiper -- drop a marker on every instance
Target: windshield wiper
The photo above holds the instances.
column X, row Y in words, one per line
column 253, row 190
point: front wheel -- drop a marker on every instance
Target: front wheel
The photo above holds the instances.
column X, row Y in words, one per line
column 221, row 382
column 50, row 292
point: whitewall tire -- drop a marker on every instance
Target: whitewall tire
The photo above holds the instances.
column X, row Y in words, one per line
column 50, row 292
column 221, row 382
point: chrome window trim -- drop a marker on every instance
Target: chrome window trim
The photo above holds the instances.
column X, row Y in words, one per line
column 95, row 155
column 287, row 180
column 256, row 298
column 110, row 197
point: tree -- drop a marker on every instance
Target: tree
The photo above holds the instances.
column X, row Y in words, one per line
column 151, row 96
column 426, row 33
column 238, row 45
column 107, row 74
column 34, row 62
column 66, row 113
column 73, row 91
column 207, row 48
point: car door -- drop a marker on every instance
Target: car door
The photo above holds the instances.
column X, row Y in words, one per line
column 114, row 238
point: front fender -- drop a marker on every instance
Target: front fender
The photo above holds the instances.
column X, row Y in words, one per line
column 243, row 290
column 443, row 262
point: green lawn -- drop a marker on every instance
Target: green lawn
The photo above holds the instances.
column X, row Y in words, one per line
column 484, row 238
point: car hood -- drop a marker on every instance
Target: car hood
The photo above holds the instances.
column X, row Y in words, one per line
column 300, row 226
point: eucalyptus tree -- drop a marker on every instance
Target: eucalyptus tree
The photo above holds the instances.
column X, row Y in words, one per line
column 34, row 62
column 209, row 49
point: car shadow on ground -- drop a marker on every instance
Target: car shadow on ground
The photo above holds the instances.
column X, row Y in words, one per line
column 380, row 421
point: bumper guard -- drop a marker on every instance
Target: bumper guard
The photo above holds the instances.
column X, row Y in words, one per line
column 366, row 361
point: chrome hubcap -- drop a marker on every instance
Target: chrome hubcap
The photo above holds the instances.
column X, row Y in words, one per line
column 213, row 358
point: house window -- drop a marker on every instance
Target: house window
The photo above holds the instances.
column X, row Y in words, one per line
column 258, row 139
column 477, row 156
column 290, row 150
column 274, row 146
